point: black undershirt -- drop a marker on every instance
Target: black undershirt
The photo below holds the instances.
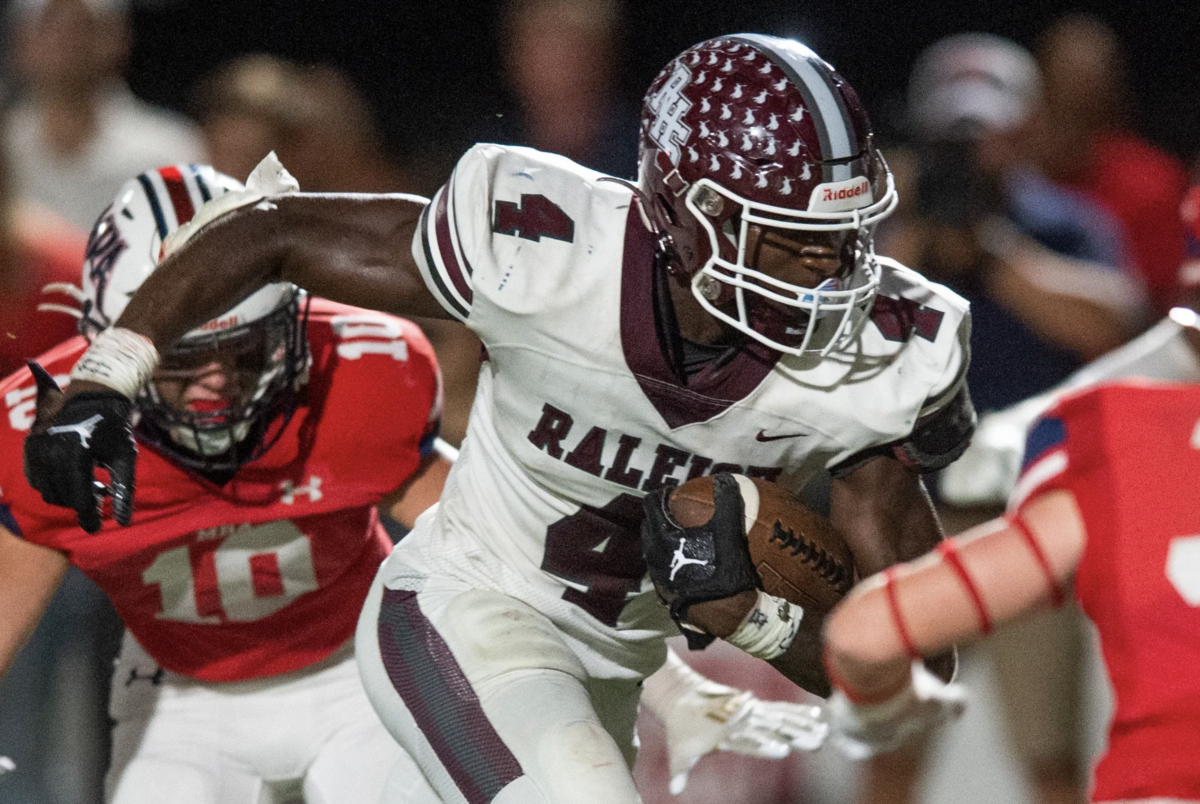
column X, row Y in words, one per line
column 698, row 355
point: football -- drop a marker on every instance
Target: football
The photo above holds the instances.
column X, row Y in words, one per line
column 798, row 554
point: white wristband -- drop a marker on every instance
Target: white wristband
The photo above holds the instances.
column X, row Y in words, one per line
column 119, row 358
column 769, row 628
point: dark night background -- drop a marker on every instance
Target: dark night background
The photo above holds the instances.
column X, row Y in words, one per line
column 432, row 74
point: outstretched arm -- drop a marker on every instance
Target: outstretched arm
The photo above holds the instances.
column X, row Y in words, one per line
column 990, row 574
column 351, row 248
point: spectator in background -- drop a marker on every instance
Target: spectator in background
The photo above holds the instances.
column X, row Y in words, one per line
column 1083, row 141
column 74, row 135
column 564, row 83
column 248, row 107
column 1043, row 269
column 313, row 117
column 1041, row 266
column 76, row 131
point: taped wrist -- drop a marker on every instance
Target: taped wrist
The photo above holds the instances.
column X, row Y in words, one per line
column 769, row 629
column 119, row 358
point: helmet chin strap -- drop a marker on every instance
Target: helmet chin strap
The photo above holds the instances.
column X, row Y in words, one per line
column 664, row 247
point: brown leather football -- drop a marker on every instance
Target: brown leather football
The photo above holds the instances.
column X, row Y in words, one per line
column 798, row 554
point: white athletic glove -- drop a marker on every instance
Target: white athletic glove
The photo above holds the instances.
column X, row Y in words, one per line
column 864, row 730
column 268, row 178
column 702, row 716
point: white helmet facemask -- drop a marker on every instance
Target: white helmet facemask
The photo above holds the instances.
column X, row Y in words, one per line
column 821, row 319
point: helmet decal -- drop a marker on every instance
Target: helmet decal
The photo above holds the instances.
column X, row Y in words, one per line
column 669, row 131
column 105, row 245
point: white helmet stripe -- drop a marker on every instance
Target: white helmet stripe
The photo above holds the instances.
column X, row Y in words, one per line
column 835, row 131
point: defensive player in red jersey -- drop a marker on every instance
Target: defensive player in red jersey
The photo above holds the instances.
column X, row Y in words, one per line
column 1107, row 499
column 242, row 579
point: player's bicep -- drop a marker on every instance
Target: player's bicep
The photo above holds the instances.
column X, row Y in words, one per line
column 29, row 576
column 358, row 249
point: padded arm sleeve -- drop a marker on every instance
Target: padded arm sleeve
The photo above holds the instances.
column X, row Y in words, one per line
column 936, row 440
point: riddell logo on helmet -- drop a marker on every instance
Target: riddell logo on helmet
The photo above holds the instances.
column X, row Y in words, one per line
column 839, row 196
column 218, row 324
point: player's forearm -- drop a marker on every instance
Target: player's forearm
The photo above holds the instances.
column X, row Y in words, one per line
column 885, row 515
column 29, row 576
column 801, row 662
column 993, row 573
column 350, row 248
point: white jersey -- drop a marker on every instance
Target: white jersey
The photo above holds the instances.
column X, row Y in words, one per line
column 578, row 413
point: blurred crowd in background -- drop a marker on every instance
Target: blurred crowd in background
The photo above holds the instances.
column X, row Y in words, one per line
column 1024, row 187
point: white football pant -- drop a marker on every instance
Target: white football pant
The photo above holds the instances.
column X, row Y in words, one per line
column 486, row 695
column 310, row 734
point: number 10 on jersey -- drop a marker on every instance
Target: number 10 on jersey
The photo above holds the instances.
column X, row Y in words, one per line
column 241, row 573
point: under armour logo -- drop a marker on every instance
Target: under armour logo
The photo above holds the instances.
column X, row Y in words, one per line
column 290, row 490
column 84, row 429
column 680, row 560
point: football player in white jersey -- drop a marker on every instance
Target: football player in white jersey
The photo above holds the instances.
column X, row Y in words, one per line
column 726, row 315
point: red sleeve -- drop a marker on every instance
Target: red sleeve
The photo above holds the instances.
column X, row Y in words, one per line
column 21, row 508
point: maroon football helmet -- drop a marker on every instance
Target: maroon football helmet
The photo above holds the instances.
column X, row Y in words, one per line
column 752, row 130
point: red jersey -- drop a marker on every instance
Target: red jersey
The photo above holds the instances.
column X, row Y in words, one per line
column 47, row 250
column 1130, row 453
column 267, row 573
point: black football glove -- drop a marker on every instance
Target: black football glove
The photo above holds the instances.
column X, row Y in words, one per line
column 694, row 565
column 69, row 439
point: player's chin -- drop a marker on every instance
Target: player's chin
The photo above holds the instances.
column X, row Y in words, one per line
column 722, row 617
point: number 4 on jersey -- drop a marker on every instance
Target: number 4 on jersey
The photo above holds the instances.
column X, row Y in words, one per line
column 535, row 217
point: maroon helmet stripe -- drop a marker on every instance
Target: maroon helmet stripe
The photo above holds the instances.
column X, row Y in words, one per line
column 445, row 243
column 181, row 200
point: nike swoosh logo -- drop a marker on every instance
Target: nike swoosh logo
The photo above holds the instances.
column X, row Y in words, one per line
column 762, row 436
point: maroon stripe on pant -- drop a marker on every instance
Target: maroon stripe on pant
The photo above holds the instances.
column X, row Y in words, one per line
column 432, row 685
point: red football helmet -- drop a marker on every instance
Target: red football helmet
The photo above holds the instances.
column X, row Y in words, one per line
column 756, row 131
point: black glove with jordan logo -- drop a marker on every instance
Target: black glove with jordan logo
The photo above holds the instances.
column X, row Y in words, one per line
column 71, row 436
column 698, row 564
